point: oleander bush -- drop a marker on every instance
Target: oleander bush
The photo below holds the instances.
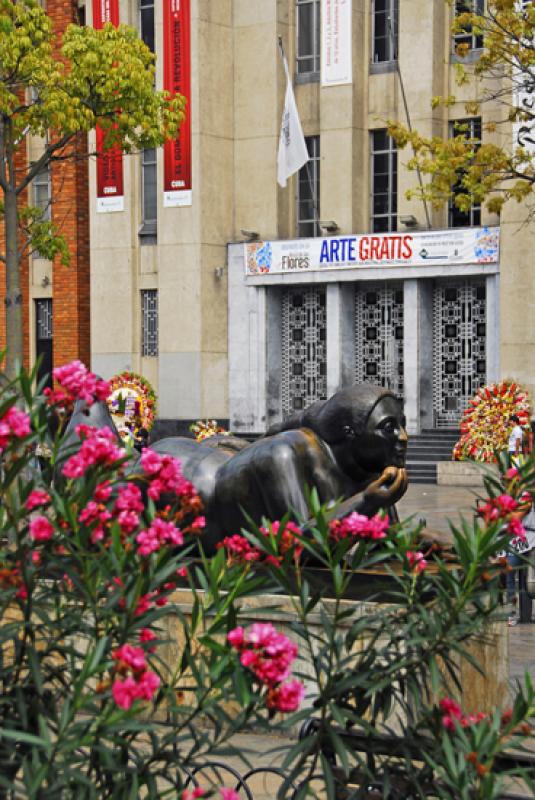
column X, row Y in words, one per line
column 95, row 545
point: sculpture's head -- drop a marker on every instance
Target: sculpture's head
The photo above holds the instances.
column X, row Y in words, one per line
column 364, row 425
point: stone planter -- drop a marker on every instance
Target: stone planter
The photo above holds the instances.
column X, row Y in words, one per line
column 462, row 473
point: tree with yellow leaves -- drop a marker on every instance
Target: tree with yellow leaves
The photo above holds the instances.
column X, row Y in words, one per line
column 463, row 168
column 96, row 77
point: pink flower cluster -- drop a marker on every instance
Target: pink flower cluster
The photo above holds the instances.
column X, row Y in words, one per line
column 138, row 683
column 160, row 533
column 14, row 423
column 269, row 655
column 224, row 794
column 417, row 562
column 165, row 475
column 77, row 383
column 36, row 498
column 452, row 712
column 41, row 529
column 239, row 550
column 99, row 447
column 358, row 526
column 500, row 508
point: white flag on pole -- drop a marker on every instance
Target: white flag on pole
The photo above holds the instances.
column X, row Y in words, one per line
column 293, row 153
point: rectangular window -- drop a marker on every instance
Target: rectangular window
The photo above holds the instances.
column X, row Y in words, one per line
column 149, row 196
column 44, row 339
column 385, row 30
column 468, row 129
column 42, row 192
column 149, row 322
column 384, row 182
column 308, row 37
column 308, row 191
column 467, row 39
column 146, row 23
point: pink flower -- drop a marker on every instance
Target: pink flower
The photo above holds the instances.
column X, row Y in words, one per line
column 417, row 562
column 150, row 461
column 18, row 421
column 239, row 549
column 511, row 473
column 99, row 447
column 287, row 697
column 80, row 383
column 41, row 529
column 146, row 636
column 160, row 533
column 516, row 529
column 124, row 692
column 452, row 713
column 128, row 521
column 193, row 795
column 102, row 492
column 36, row 498
column 358, row 525
column 506, row 503
column 129, row 498
column 229, row 794
column 14, row 423
column 236, row 638
column 147, row 685
column 134, row 657
column 266, row 652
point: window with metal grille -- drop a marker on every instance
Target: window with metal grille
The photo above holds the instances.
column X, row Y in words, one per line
column 384, row 170
column 467, row 38
column 308, row 37
column 44, row 340
column 467, row 129
column 42, row 192
column 385, row 14
column 149, row 196
column 308, row 191
column 146, row 23
column 43, row 319
column 149, row 322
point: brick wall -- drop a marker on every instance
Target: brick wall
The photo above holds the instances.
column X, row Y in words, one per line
column 70, row 211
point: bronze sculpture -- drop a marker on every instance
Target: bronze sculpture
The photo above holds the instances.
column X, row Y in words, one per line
column 351, row 448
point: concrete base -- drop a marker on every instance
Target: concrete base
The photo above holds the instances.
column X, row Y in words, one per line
column 462, row 473
column 478, row 693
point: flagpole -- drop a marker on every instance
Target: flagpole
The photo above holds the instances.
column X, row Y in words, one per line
column 307, row 166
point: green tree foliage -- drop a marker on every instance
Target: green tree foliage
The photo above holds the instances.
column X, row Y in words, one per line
column 487, row 172
column 59, row 90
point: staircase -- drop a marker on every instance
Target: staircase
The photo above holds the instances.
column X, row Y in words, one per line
column 425, row 450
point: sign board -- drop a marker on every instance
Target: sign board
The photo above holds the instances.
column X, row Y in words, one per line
column 336, row 62
column 110, row 191
column 524, row 97
column 177, row 80
column 419, row 249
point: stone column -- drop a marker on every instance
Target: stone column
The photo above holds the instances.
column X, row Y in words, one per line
column 418, row 354
column 340, row 337
column 493, row 328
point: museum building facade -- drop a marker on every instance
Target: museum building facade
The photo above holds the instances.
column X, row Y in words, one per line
column 244, row 301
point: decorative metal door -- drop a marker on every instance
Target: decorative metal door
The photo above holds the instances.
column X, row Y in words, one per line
column 304, row 348
column 379, row 337
column 44, row 339
column 459, row 348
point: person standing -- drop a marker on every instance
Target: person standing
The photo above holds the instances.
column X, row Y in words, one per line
column 514, row 447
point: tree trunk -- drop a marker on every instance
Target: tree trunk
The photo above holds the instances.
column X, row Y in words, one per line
column 13, row 301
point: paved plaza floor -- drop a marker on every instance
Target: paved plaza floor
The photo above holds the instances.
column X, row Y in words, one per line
column 438, row 504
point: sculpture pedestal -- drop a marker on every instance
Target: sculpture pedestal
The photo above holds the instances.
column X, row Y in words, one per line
column 478, row 693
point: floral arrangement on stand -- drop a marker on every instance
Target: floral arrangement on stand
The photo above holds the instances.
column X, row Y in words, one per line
column 132, row 400
column 485, row 424
column 203, row 429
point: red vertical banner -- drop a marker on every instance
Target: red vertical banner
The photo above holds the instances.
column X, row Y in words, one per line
column 110, row 192
column 177, row 80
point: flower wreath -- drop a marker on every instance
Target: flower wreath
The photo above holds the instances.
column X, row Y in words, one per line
column 485, row 426
column 203, row 429
column 132, row 399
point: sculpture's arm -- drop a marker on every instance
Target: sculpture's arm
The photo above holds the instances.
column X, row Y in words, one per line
column 381, row 493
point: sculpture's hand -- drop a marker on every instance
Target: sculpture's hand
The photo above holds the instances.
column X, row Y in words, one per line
column 388, row 488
